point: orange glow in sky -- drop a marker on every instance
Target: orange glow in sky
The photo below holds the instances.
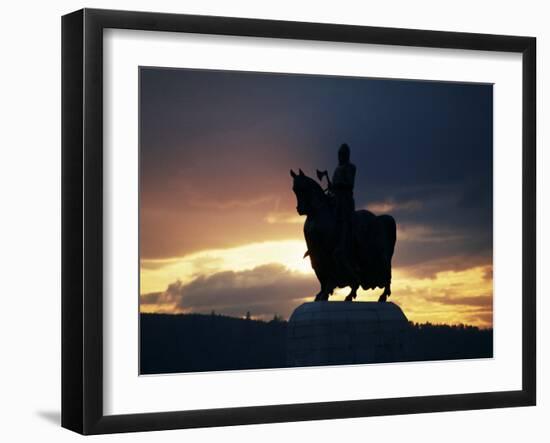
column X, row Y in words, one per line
column 448, row 296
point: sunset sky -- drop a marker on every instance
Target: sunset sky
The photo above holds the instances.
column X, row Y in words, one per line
column 218, row 225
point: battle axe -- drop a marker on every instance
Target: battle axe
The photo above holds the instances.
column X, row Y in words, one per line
column 321, row 174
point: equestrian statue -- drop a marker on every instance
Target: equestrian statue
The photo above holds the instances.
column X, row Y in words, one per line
column 346, row 247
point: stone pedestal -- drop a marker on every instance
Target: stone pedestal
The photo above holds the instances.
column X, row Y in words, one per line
column 334, row 333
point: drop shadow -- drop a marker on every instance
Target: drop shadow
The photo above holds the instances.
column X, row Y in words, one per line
column 53, row 417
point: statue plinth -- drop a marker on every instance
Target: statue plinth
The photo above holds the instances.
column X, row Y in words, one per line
column 333, row 333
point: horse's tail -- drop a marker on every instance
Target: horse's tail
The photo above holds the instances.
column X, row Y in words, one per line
column 390, row 228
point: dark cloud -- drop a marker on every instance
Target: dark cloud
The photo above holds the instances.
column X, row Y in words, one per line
column 153, row 298
column 264, row 291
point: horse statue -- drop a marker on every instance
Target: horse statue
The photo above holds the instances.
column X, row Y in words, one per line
column 372, row 242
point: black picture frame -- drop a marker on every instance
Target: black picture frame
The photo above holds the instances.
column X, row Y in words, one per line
column 82, row 218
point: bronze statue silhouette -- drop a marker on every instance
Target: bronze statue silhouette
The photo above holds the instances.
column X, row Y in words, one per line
column 346, row 247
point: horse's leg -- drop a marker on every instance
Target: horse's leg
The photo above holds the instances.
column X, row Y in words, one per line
column 323, row 293
column 387, row 280
column 385, row 294
column 321, row 296
column 319, row 274
column 353, row 293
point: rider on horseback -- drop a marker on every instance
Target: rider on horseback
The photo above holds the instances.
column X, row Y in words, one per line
column 341, row 188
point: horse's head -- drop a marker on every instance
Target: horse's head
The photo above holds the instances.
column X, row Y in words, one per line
column 309, row 194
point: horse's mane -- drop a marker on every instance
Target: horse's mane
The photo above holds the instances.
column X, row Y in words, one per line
column 317, row 189
column 314, row 183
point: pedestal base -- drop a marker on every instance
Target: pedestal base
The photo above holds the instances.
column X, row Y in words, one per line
column 334, row 333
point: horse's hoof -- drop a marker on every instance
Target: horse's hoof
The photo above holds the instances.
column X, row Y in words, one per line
column 349, row 298
column 382, row 298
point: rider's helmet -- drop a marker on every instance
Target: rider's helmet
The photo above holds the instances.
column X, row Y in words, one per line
column 343, row 154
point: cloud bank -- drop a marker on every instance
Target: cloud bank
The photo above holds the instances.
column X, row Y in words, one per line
column 263, row 291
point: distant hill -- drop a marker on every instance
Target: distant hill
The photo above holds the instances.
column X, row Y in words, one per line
column 444, row 342
column 196, row 342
